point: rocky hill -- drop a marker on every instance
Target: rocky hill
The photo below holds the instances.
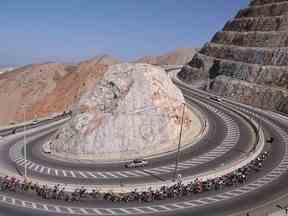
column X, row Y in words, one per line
column 67, row 90
column 140, row 96
column 180, row 56
column 26, row 86
column 248, row 60
column 48, row 88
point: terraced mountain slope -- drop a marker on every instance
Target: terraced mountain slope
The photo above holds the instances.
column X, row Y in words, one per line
column 248, row 59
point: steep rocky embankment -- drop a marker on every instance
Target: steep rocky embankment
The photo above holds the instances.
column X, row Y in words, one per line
column 45, row 89
column 248, row 60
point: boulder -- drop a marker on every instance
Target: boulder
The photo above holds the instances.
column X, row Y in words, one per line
column 135, row 109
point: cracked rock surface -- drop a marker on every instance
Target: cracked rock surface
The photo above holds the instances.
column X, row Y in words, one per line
column 134, row 109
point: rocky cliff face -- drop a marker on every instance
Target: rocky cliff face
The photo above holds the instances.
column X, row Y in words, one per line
column 251, row 51
column 258, row 95
column 134, row 108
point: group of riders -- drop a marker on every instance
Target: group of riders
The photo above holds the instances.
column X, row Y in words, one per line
column 178, row 190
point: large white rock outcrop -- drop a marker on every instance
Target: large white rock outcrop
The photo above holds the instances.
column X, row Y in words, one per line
column 134, row 111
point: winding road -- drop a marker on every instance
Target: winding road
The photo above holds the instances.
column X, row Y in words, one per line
column 232, row 138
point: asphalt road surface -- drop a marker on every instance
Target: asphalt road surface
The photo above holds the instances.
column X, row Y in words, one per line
column 225, row 124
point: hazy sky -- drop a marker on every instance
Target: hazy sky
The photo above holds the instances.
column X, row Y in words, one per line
column 33, row 31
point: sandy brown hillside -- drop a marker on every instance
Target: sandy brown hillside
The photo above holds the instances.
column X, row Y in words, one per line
column 67, row 90
column 180, row 56
column 27, row 85
column 46, row 88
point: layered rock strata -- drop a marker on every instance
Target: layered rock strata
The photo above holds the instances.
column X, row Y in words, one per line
column 252, row 52
column 133, row 111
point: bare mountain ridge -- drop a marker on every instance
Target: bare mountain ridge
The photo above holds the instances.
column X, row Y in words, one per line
column 179, row 56
column 104, row 59
column 47, row 88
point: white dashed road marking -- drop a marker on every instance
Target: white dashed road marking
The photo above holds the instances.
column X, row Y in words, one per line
column 232, row 135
